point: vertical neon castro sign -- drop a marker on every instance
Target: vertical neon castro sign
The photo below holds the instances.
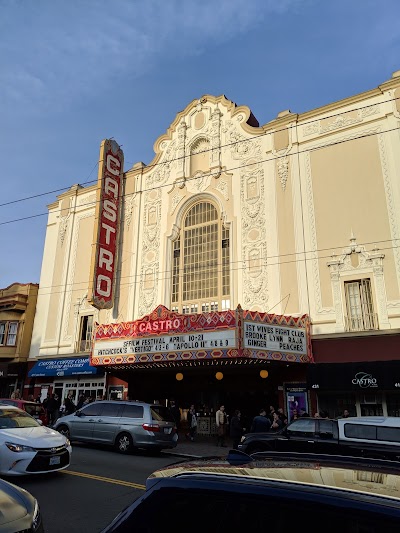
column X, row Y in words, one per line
column 106, row 225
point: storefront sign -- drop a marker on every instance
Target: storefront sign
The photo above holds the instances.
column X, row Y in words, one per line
column 105, row 236
column 382, row 375
column 277, row 338
column 364, row 380
column 166, row 336
column 62, row 367
column 168, row 343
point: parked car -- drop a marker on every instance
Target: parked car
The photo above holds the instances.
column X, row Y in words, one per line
column 20, row 511
column 124, row 424
column 375, row 436
column 32, row 408
column 28, row 447
column 272, row 491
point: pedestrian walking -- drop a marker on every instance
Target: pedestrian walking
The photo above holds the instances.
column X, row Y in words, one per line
column 221, row 421
column 81, row 400
column 192, row 423
column 69, row 405
column 277, row 423
column 236, row 429
column 52, row 408
column 16, row 395
column 176, row 413
column 261, row 423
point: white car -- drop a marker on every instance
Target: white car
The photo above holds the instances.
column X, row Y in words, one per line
column 28, row 447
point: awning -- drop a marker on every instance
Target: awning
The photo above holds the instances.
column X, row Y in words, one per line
column 62, row 367
column 361, row 376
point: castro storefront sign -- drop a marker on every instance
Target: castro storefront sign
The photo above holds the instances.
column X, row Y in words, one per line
column 364, row 380
column 105, row 235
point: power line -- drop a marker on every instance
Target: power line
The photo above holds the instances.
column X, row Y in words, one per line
column 227, row 145
column 50, row 192
column 169, row 273
column 204, row 175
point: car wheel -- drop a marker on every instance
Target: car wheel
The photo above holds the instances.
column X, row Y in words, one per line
column 124, row 443
column 64, row 430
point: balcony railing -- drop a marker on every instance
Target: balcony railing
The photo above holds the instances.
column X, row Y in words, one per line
column 361, row 323
column 84, row 346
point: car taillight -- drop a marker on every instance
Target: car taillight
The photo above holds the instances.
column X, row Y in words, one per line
column 151, row 427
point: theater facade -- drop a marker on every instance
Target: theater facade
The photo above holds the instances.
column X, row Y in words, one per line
column 241, row 256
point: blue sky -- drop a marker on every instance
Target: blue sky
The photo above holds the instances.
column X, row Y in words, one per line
column 73, row 73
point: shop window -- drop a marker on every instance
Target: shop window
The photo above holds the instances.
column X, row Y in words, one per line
column 201, row 262
column 393, row 404
column 8, row 333
column 335, row 404
column 359, row 306
column 85, row 336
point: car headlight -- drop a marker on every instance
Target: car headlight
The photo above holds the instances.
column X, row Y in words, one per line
column 36, row 517
column 19, row 447
column 67, row 443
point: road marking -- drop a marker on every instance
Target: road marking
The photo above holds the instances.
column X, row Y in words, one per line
column 105, row 479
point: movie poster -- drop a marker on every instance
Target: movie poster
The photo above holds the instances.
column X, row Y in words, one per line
column 296, row 401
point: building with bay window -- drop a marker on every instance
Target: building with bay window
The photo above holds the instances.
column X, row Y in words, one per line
column 294, row 219
column 17, row 312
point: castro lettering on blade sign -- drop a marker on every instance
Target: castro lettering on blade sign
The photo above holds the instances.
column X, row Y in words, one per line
column 106, row 227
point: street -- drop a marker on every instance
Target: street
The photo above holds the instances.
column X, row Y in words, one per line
column 98, row 484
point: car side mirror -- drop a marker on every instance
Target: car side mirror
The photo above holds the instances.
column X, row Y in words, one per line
column 78, row 413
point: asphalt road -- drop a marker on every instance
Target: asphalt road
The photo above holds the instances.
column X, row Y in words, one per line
column 98, row 484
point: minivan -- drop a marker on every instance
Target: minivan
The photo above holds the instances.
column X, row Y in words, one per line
column 126, row 425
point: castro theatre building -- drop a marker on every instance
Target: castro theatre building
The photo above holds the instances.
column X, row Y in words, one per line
column 241, row 256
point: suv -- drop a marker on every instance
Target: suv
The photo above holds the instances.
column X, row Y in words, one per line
column 367, row 436
column 124, row 424
column 32, row 408
column 274, row 492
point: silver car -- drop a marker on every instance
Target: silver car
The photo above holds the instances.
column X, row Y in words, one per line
column 126, row 425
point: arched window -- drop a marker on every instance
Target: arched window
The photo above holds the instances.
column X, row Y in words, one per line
column 201, row 277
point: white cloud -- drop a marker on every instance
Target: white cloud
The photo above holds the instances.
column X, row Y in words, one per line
column 57, row 51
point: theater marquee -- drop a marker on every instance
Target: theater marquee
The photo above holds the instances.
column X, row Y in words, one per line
column 164, row 336
column 106, row 226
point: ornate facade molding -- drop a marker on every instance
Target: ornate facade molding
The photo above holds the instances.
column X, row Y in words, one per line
column 393, row 214
column 63, row 228
column 87, row 201
column 364, row 263
column 128, row 209
column 150, row 243
column 240, row 146
column 283, row 171
column 343, row 120
column 254, row 251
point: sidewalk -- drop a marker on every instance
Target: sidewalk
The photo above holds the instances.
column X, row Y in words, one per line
column 202, row 447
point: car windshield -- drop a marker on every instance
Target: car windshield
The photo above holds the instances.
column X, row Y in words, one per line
column 34, row 409
column 13, row 418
